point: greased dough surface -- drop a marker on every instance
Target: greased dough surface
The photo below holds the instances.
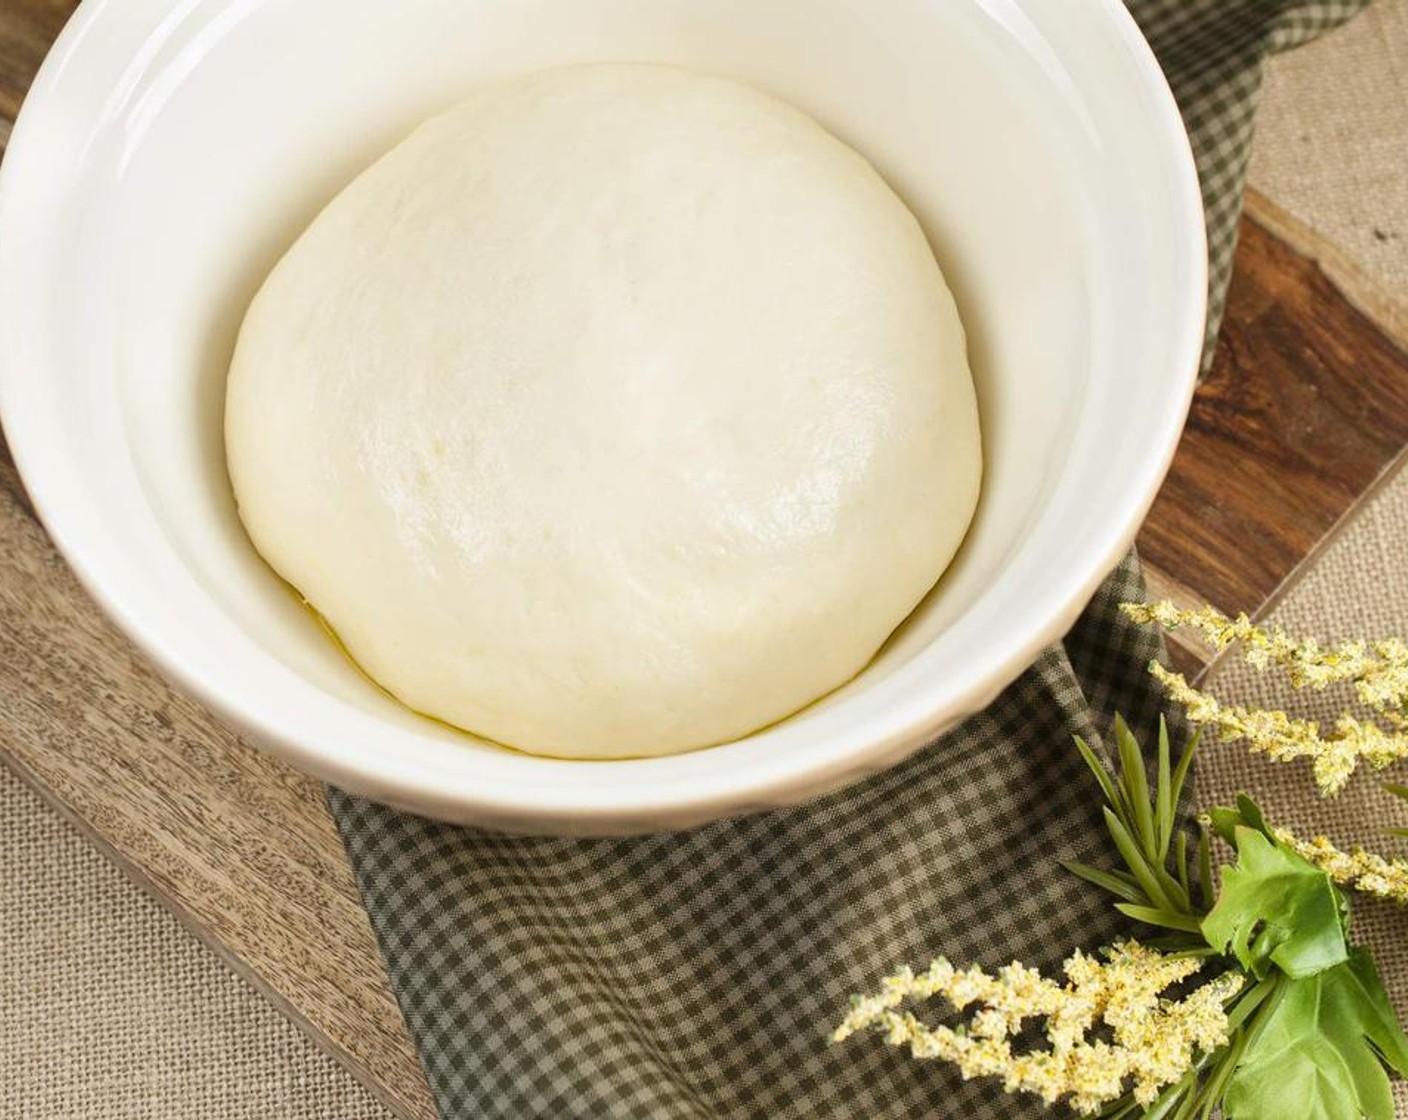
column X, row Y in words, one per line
column 618, row 411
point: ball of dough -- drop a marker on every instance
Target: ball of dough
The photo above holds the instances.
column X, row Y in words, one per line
column 618, row 411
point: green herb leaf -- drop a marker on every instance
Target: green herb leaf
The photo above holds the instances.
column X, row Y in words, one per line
column 1252, row 816
column 1134, row 859
column 1205, row 879
column 1225, row 822
column 1164, row 807
column 1118, row 884
column 1153, row 916
column 1177, row 1105
column 1185, row 764
column 1251, row 999
column 1277, row 908
column 1102, row 775
column 1136, row 787
column 1211, row 1094
column 1320, row 1049
column 1180, row 864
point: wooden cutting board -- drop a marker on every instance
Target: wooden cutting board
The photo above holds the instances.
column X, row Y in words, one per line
column 1303, row 415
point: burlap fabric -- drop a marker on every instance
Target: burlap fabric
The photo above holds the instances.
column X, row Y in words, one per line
column 1358, row 589
column 110, row 1009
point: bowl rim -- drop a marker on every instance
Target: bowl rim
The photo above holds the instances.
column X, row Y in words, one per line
column 644, row 807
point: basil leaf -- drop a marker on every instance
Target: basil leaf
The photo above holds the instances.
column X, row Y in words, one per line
column 1320, row 1049
column 1277, row 908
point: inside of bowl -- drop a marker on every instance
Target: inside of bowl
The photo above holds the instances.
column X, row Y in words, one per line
column 956, row 127
column 1018, row 132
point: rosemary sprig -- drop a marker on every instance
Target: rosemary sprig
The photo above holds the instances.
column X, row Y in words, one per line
column 1156, row 887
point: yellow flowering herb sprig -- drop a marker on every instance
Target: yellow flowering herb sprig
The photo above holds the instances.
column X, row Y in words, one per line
column 1153, row 1043
column 1292, row 1022
column 1378, row 672
column 1363, row 871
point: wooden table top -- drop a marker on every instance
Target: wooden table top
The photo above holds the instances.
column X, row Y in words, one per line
column 1302, row 416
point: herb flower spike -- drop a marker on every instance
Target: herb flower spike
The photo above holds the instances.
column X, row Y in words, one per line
column 1364, row 871
column 1378, row 671
column 1153, row 1043
column 1281, row 738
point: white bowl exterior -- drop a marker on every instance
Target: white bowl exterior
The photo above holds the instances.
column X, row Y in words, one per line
column 168, row 155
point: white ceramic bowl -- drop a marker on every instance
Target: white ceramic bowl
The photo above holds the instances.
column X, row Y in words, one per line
column 169, row 152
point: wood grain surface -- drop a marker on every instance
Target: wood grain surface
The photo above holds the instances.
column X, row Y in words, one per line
column 27, row 27
column 1306, row 407
column 1304, row 412
column 239, row 846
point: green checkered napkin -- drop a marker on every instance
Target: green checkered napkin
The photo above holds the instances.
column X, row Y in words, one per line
column 696, row 975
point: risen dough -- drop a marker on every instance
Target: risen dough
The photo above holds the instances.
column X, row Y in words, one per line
column 619, row 410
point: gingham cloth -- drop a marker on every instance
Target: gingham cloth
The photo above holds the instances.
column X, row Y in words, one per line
column 697, row 975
